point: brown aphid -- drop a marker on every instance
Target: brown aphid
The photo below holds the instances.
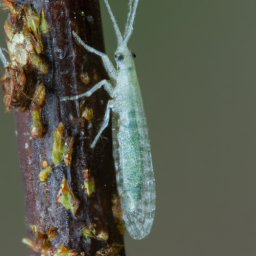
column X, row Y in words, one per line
column 32, row 28
column 14, row 23
column 44, row 163
column 13, row 84
column 39, row 97
column 110, row 250
column 52, row 232
column 68, row 150
column 10, row 5
column 103, row 236
column 86, row 174
column 38, row 63
column 34, row 228
column 95, row 75
column 41, row 243
column 37, row 130
column 8, row 30
column 36, row 44
column 32, row 20
column 118, row 213
column 85, row 77
column 88, row 114
column 63, row 251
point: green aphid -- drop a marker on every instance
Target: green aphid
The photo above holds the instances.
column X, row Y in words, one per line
column 92, row 233
column 67, row 198
column 32, row 21
column 36, row 128
column 58, row 144
column 43, row 175
column 44, row 27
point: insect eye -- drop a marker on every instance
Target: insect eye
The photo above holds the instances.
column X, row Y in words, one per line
column 133, row 55
column 119, row 57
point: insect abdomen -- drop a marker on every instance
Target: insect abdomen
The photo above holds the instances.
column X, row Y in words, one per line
column 131, row 157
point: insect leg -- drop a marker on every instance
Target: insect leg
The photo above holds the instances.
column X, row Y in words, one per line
column 104, row 124
column 107, row 86
column 105, row 59
column 3, row 58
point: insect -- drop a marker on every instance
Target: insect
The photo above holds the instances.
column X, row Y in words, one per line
column 131, row 145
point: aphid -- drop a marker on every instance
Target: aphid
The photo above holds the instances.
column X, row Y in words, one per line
column 93, row 232
column 39, row 97
column 88, row 114
column 43, row 175
column 37, row 129
column 44, row 27
column 85, row 77
column 52, row 232
column 89, row 182
column 69, row 144
column 110, row 250
column 118, row 213
column 63, row 251
column 58, row 144
column 40, row 244
column 13, row 83
column 131, row 145
column 67, row 198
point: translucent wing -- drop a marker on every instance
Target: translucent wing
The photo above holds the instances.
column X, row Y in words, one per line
column 139, row 211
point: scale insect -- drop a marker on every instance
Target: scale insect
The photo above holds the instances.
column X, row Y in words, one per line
column 131, row 145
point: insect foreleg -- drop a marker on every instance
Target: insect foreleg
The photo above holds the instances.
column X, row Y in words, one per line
column 104, row 124
column 105, row 59
column 107, row 86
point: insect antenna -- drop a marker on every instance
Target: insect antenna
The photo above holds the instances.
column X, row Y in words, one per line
column 3, row 58
column 129, row 15
column 130, row 20
column 117, row 30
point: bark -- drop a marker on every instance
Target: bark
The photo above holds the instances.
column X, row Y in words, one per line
column 71, row 198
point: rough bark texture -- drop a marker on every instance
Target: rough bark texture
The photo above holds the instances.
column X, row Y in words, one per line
column 73, row 208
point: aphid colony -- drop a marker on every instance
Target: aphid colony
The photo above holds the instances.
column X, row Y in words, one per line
column 25, row 90
column 21, row 82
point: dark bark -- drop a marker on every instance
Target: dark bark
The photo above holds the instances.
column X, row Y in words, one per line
column 93, row 224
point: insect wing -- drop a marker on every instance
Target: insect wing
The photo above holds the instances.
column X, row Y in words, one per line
column 138, row 211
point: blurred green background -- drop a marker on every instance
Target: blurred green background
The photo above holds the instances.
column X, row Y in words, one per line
column 196, row 63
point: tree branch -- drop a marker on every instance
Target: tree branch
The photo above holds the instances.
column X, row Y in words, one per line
column 72, row 206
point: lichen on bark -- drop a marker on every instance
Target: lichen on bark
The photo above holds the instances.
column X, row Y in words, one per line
column 70, row 190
